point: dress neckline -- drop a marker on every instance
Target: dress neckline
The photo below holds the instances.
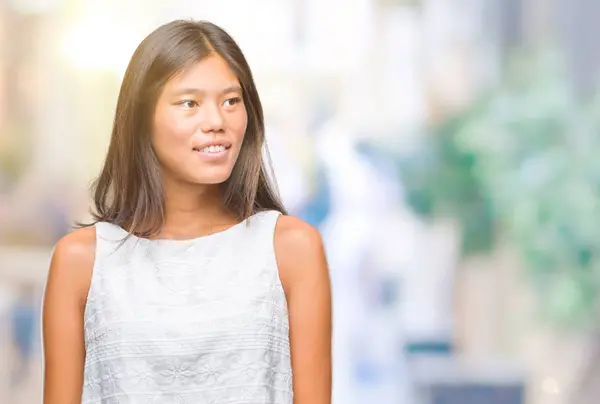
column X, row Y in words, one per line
column 173, row 241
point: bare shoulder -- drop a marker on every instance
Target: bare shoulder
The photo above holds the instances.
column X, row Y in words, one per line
column 295, row 238
column 305, row 277
column 77, row 247
column 73, row 261
column 299, row 251
column 63, row 311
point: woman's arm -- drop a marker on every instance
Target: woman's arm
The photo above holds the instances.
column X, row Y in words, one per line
column 62, row 316
column 305, row 278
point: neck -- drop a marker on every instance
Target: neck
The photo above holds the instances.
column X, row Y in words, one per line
column 193, row 210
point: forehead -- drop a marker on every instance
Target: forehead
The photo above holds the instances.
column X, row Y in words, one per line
column 210, row 74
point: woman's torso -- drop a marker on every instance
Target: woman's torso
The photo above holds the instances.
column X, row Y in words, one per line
column 195, row 321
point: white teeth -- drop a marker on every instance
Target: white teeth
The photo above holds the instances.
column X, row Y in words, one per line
column 213, row 149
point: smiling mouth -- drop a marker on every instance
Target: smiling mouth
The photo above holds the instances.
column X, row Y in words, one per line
column 213, row 149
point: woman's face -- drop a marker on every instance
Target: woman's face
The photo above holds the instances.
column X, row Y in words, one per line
column 199, row 123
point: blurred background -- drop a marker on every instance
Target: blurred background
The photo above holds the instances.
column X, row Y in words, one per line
column 446, row 149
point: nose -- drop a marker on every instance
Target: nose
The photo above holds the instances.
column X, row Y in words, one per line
column 211, row 118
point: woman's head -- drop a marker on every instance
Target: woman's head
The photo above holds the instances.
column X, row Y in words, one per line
column 188, row 112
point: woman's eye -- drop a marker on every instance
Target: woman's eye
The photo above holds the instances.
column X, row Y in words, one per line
column 189, row 104
column 232, row 101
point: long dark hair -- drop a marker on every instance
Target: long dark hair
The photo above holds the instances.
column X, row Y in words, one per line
column 129, row 190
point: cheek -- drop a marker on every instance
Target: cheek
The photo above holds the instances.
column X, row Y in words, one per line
column 171, row 135
column 238, row 124
column 173, row 126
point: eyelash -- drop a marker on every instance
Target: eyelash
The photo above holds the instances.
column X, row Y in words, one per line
column 235, row 100
column 183, row 103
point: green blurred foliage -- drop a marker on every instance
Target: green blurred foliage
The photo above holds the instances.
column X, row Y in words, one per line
column 522, row 162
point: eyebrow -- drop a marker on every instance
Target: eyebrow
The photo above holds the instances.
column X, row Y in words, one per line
column 191, row 90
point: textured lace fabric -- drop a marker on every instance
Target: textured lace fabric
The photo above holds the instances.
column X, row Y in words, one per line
column 201, row 321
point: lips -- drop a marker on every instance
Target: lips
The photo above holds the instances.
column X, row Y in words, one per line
column 213, row 146
column 216, row 148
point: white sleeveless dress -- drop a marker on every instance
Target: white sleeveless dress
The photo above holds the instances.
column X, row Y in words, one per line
column 200, row 321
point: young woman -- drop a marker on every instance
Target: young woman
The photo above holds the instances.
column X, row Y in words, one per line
column 192, row 285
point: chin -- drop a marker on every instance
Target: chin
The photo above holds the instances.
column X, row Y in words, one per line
column 213, row 178
column 211, row 181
